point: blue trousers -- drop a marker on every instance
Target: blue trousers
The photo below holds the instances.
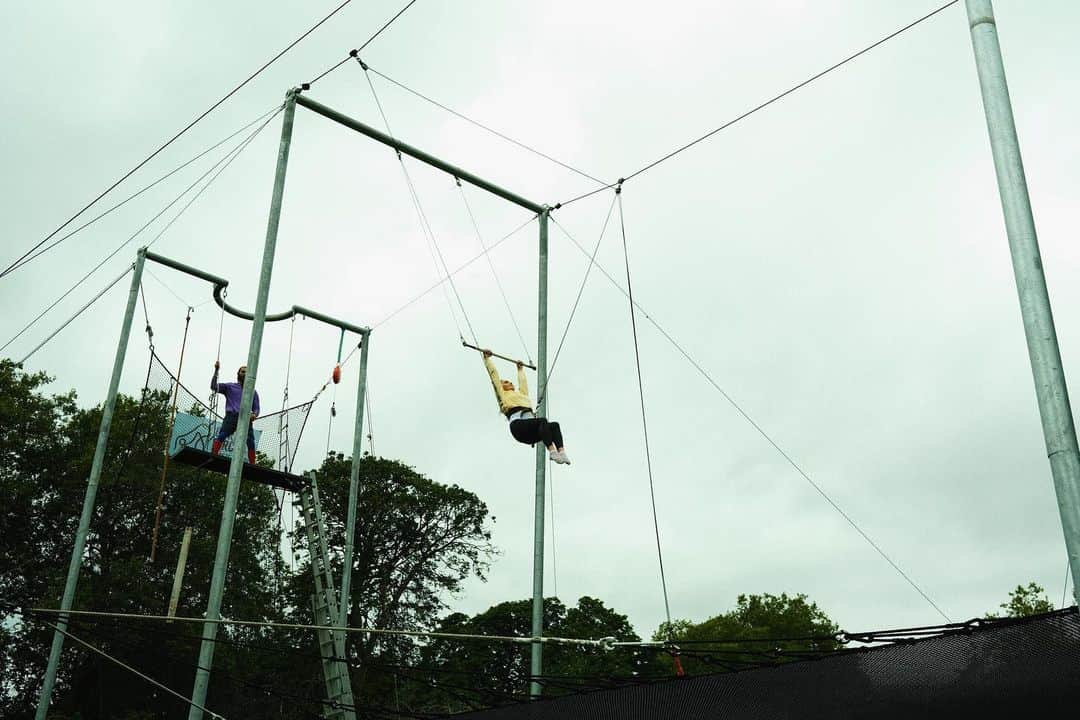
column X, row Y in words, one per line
column 228, row 427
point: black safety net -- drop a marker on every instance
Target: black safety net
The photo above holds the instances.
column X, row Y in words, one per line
column 998, row 668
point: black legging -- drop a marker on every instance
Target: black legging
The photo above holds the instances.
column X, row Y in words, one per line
column 533, row 430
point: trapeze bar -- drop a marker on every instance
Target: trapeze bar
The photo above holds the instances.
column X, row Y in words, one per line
column 501, row 357
column 195, row 272
column 417, row 153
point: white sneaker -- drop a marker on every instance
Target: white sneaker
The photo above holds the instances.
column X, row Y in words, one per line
column 559, row 456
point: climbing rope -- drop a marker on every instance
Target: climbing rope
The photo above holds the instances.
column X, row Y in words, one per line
column 168, row 438
column 644, row 421
column 217, row 356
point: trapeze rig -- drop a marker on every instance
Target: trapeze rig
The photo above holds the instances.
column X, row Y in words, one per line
column 259, row 317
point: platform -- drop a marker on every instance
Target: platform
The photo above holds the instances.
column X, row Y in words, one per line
column 203, row 460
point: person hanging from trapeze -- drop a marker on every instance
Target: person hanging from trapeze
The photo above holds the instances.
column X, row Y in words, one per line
column 516, row 406
column 232, row 393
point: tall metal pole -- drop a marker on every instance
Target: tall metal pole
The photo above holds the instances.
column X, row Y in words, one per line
column 91, row 489
column 536, row 664
column 1053, row 396
column 232, row 488
column 354, row 483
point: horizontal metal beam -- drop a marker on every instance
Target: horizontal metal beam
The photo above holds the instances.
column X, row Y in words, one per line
column 194, row 272
column 219, row 297
column 314, row 315
column 420, row 155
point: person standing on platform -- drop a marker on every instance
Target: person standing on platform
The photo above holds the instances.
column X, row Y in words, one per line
column 232, row 393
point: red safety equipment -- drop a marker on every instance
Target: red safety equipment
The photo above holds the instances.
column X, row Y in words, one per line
column 336, row 376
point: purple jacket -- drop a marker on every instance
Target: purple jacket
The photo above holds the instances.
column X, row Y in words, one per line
column 232, row 392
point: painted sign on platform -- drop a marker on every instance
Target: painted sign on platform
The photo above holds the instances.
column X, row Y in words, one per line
column 198, row 432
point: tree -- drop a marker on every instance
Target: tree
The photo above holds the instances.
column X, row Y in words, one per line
column 1024, row 601
column 737, row 638
column 46, row 446
column 464, row 674
column 416, row 542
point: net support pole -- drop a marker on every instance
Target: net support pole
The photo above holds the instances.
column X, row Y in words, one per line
column 232, row 488
column 178, row 578
column 83, row 531
column 1059, row 430
column 536, row 661
column 354, row 484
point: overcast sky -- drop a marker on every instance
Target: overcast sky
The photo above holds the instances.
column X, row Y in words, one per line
column 836, row 262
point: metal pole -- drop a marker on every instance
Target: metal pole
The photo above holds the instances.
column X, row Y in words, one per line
column 354, row 485
column 178, row 579
column 91, row 489
column 536, row 664
column 1053, row 396
column 232, row 488
column 420, row 155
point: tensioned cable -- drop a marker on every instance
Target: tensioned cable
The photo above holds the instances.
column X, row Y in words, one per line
column 480, row 125
column 96, row 633
column 1065, row 588
column 731, row 401
column 370, row 420
column 641, row 395
column 494, row 274
column 171, row 140
column 436, row 285
column 425, row 224
column 461, row 267
column 222, row 163
column 764, row 105
column 357, row 51
column 515, row 639
column 577, row 300
column 136, row 194
column 78, row 312
column 172, row 292
column 132, row 670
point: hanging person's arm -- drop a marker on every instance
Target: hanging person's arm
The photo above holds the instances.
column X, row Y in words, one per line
column 255, row 406
column 213, row 380
column 496, row 382
column 523, row 382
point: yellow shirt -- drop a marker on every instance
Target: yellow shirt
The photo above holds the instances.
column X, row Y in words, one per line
column 509, row 399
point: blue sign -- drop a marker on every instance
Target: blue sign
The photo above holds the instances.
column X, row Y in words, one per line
column 198, row 432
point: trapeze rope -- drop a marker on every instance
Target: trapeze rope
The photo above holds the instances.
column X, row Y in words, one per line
column 444, row 271
column 495, row 275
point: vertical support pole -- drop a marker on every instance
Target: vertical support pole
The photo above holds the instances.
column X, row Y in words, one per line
column 91, row 489
column 354, row 485
column 178, row 579
column 536, row 664
column 232, row 488
column 1053, row 396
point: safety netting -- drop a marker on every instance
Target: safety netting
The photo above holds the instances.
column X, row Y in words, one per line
column 998, row 668
column 198, row 419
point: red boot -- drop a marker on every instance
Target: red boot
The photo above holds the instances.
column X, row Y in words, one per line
column 251, row 456
column 217, row 447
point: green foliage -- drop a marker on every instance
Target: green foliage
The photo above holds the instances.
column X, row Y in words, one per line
column 1024, row 601
column 46, row 447
column 502, row 669
column 788, row 623
column 415, row 544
